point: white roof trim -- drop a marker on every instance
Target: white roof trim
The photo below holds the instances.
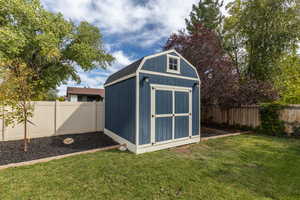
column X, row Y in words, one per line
column 121, row 79
column 168, row 75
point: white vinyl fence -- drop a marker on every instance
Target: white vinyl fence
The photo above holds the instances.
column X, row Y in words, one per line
column 59, row 118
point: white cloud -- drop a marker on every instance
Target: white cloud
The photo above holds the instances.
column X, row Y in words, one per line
column 121, row 58
column 121, row 61
column 127, row 17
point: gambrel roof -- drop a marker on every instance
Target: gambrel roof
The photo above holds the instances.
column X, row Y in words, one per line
column 132, row 69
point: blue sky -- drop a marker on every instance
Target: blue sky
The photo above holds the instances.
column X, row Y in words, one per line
column 130, row 28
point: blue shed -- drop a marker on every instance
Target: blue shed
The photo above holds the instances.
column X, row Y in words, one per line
column 154, row 103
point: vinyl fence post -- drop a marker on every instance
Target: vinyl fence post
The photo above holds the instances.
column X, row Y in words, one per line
column 55, row 116
column 3, row 124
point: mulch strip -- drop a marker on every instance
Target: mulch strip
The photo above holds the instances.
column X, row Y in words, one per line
column 208, row 132
column 12, row 151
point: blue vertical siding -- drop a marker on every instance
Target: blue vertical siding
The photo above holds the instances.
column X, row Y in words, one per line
column 163, row 129
column 159, row 64
column 181, row 127
column 145, row 103
column 120, row 109
column 196, row 110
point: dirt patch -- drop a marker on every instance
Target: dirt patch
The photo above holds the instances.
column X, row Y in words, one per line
column 12, row 152
column 182, row 149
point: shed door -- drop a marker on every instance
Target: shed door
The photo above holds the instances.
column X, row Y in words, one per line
column 171, row 113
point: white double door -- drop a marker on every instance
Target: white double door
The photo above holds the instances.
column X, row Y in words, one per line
column 171, row 113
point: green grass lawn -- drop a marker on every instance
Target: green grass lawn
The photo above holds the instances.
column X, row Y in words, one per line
column 240, row 167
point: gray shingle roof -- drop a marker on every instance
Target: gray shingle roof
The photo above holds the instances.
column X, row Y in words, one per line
column 130, row 69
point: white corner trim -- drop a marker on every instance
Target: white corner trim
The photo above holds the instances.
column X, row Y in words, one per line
column 199, row 110
column 144, row 149
column 137, row 109
column 168, row 75
column 121, row 79
column 168, row 63
column 131, row 147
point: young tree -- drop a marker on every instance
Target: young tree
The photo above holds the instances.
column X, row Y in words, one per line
column 16, row 92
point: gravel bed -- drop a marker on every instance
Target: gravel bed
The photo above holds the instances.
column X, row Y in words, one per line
column 12, row 151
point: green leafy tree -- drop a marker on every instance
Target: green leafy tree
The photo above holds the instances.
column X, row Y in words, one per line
column 51, row 95
column 50, row 45
column 288, row 80
column 261, row 32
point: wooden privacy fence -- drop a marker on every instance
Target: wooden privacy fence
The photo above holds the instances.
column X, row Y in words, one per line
column 59, row 118
column 248, row 116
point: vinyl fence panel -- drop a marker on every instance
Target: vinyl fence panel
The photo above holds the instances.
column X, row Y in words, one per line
column 59, row 118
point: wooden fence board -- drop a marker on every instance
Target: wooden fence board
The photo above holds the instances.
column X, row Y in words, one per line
column 248, row 115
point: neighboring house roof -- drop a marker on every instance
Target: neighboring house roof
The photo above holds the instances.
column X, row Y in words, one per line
column 130, row 69
column 87, row 91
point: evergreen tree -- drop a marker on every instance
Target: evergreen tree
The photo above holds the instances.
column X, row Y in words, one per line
column 207, row 13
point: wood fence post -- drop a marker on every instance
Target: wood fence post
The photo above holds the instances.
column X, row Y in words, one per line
column 95, row 106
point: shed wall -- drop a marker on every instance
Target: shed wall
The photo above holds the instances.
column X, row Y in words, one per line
column 145, row 103
column 120, row 109
column 159, row 64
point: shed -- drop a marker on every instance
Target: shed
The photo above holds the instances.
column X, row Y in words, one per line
column 154, row 103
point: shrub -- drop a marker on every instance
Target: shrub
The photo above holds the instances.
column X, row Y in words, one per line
column 270, row 122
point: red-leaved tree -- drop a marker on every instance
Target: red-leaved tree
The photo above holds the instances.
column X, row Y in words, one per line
column 221, row 82
column 219, row 79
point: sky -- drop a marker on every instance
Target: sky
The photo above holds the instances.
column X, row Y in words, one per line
column 131, row 29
